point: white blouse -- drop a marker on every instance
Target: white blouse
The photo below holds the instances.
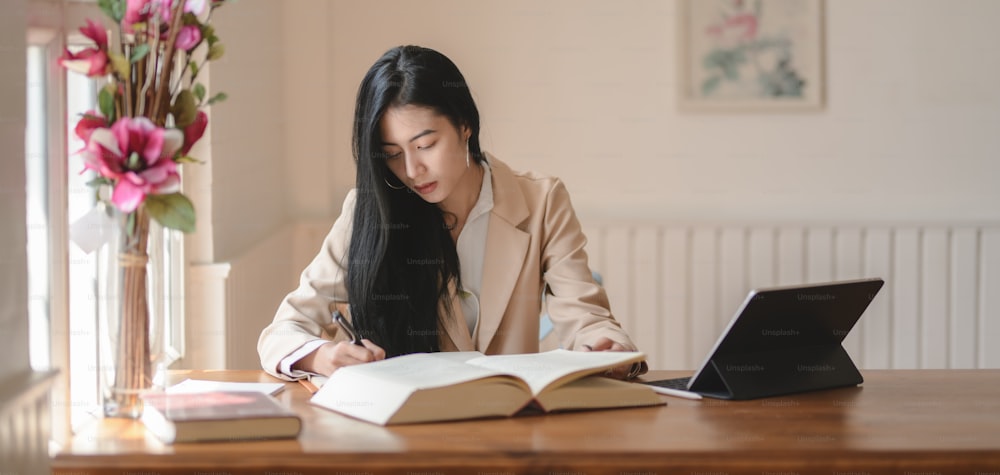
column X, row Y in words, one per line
column 471, row 247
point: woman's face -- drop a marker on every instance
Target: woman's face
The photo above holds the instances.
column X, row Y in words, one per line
column 425, row 151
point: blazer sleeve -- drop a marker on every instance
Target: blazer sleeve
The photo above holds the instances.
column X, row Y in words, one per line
column 577, row 305
column 304, row 314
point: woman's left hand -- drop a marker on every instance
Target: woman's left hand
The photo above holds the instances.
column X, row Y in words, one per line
column 607, row 344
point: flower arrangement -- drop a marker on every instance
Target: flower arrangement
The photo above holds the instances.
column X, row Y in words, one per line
column 150, row 114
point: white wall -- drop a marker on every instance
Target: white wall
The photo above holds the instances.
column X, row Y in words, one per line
column 586, row 90
column 13, row 251
column 248, row 166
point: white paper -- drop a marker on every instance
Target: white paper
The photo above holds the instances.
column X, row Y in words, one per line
column 189, row 386
column 92, row 230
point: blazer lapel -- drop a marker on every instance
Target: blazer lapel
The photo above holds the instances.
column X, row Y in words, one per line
column 506, row 247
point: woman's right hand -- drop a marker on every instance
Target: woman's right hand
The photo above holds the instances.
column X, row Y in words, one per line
column 333, row 355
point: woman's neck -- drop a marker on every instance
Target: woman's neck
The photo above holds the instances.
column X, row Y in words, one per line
column 461, row 201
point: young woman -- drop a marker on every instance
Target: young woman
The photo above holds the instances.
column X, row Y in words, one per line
column 441, row 247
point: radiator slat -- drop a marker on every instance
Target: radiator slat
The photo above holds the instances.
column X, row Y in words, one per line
column 934, row 299
column 671, row 351
column 989, row 291
column 905, row 300
column 963, row 288
column 819, row 262
column 762, row 259
column 791, row 256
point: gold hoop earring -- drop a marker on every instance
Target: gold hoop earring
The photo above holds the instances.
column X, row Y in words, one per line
column 386, row 180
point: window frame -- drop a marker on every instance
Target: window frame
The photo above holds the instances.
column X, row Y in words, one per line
column 43, row 30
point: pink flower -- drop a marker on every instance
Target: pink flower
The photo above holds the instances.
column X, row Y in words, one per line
column 735, row 28
column 138, row 157
column 194, row 131
column 89, row 61
column 97, row 33
column 141, row 11
column 188, row 37
column 91, row 121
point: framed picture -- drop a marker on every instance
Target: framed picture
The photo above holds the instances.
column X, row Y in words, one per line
column 751, row 55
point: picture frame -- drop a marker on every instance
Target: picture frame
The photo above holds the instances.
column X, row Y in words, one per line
column 751, row 55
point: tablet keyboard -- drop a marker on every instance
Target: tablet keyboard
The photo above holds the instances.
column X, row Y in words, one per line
column 676, row 383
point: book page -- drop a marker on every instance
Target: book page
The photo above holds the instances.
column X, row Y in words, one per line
column 458, row 356
column 419, row 371
column 556, row 367
column 319, row 380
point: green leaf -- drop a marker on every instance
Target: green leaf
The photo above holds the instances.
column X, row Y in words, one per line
column 98, row 181
column 199, row 92
column 114, row 9
column 194, row 69
column 130, row 224
column 106, row 103
column 188, row 159
column 105, row 6
column 174, row 211
column 190, row 19
column 208, row 32
column 709, row 85
column 216, row 51
column 217, row 98
column 184, row 110
column 120, row 65
column 140, row 51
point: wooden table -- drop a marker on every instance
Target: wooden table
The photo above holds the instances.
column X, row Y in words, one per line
column 901, row 422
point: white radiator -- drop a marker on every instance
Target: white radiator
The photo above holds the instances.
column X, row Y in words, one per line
column 675, row 287
column 25, row 421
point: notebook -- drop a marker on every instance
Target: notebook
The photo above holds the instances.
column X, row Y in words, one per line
column 782, row 340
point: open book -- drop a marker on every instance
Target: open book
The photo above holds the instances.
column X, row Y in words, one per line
column 445, row 386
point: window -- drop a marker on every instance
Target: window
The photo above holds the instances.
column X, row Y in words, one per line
column 81, row 96
column 39, row 243
column 64, row 282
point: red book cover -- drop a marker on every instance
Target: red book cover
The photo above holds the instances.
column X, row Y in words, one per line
column 218, row 416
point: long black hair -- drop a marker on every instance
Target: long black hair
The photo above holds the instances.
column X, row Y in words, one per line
column 401, row 256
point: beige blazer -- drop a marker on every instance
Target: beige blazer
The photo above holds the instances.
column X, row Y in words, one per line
column 533, row 241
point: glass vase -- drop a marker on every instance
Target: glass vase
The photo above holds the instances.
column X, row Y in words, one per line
column 130, row 316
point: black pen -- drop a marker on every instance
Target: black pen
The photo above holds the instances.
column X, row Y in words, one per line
column 348, row 329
